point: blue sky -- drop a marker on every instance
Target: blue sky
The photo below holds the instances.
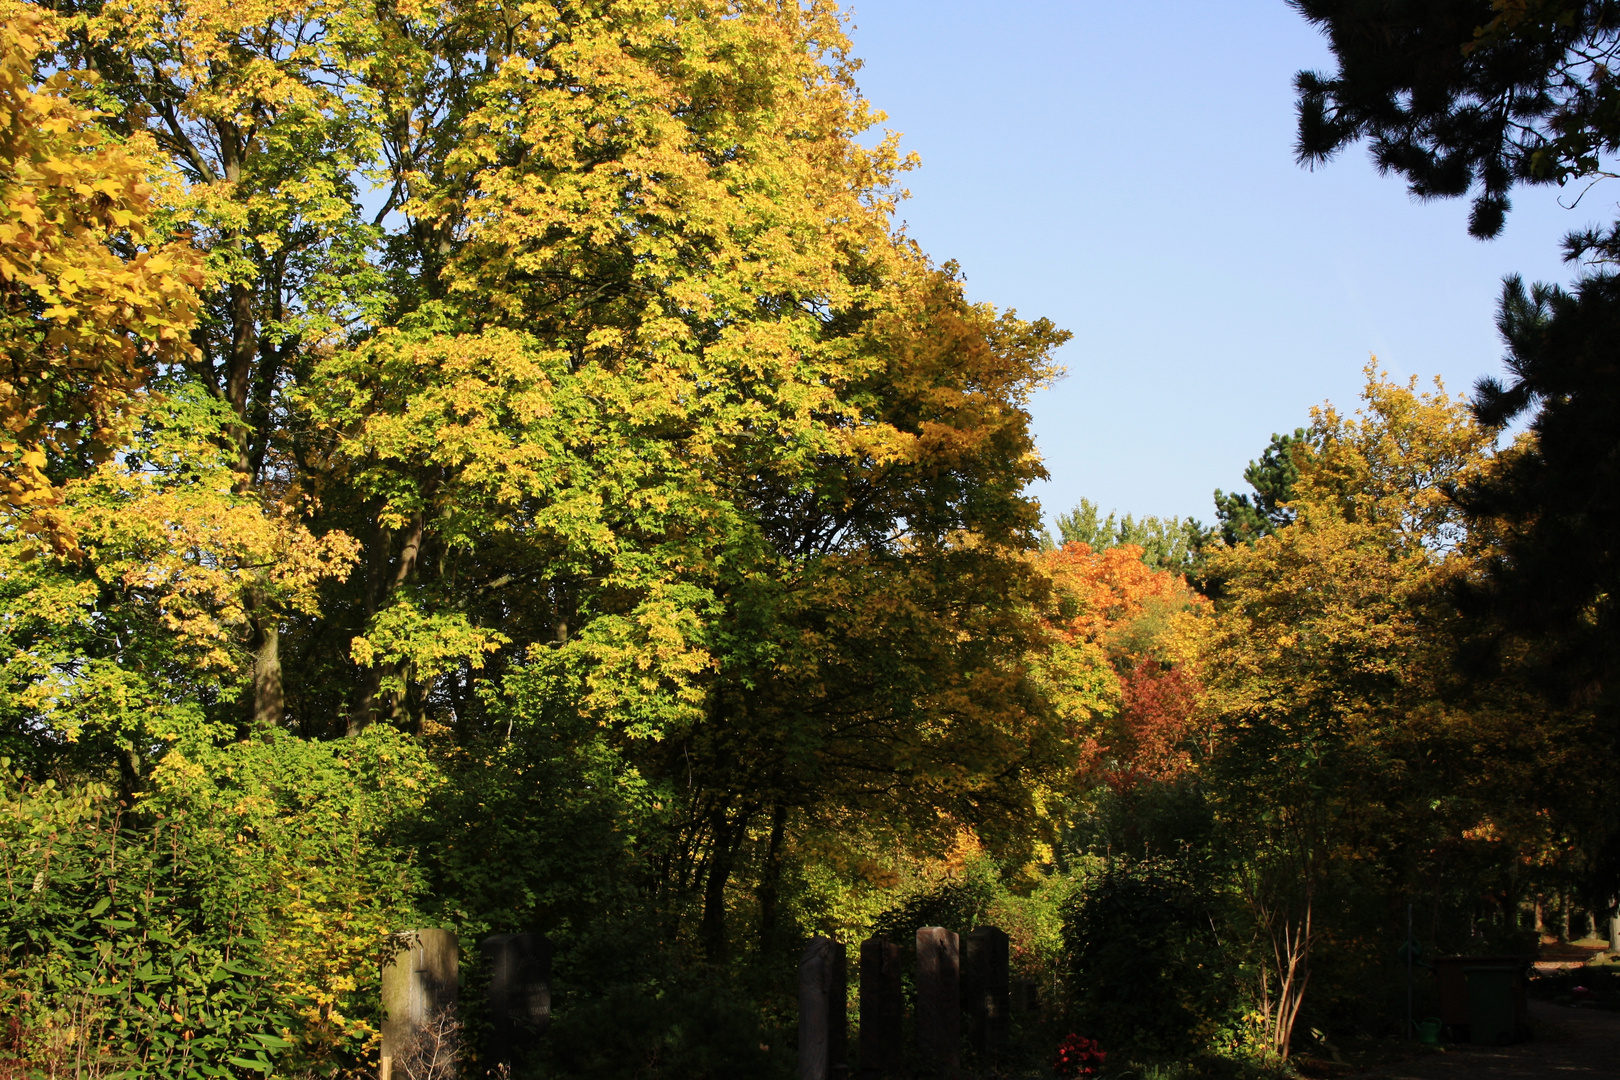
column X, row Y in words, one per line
column 1127, row 170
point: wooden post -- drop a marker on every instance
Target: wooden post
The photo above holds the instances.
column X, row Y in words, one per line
column 823, row 1011
column 419, row 984
column 939, row 1001
column 883, row 1007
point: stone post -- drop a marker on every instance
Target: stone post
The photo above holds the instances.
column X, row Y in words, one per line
column 823, row 1011
column 418, row 992
column 986, row 990
column 939, row 1001
column 519, row 995
column 883, row 1006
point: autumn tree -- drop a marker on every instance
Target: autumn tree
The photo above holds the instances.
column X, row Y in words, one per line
column 1330, row 655
column 598, row 408
column 1123, row 670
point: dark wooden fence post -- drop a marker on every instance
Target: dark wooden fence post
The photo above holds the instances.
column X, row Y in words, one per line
column 519, row 995
column 823, row 1011
column 883, row 1007
column 986, row 990
column 939, row 1001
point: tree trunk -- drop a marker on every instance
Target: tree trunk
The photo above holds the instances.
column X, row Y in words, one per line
column 770, row 881
column 269, row 704
column 377, row 593
column 1293, row 956
column 714, row 890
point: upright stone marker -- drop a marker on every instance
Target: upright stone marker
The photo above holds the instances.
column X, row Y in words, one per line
column 986, row 991
column 823, row 1011
column 939, row 1001
column 519, row 967
column 883, row 1007
column 418, row 989
column 1026, row 998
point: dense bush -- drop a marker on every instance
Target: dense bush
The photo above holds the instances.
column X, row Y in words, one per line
column 120, row 949
column 232, row 911
column 1147, row 968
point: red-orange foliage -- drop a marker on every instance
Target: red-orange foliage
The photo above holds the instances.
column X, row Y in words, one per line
column 1157, row 714
column 1147, row 623
column 1101, row 590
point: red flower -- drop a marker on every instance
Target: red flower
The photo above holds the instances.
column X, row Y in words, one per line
column 1078, row 1056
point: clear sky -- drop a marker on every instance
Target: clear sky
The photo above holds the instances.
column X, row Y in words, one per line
column 1127, row 170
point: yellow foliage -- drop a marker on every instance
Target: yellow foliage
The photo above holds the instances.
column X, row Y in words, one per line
column 89, row 303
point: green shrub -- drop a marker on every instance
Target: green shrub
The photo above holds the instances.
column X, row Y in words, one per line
column 694, row 1033
column 1147, row 971
column 114, row 959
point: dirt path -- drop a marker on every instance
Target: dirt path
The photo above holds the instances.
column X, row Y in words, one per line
column 1570, row 1043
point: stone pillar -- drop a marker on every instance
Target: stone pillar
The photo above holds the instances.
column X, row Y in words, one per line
column 986, row 991
column 883, row 1007
column 939, row 1001
column 823, row 1011
column 519, row 968
column 418, row 992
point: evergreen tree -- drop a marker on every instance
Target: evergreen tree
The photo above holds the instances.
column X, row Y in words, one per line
column 1170, row 543
column 1463, row 96
column 1244, row 519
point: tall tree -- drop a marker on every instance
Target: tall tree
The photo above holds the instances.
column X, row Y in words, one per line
column 1330, row 656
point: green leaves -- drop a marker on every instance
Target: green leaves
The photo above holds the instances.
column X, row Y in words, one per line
column 128, row 939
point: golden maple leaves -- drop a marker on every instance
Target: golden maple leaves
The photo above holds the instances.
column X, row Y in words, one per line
column 89, row 304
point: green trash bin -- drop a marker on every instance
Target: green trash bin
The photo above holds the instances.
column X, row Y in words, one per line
column 1491, row 1020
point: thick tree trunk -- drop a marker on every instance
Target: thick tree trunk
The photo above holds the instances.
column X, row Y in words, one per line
column 371, row 707
column 269, row 703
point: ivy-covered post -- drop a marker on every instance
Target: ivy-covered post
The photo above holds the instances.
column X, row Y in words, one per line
column 419, row 984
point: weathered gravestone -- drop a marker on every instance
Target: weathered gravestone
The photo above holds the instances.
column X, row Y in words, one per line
column 883, row 1006
column 986, row 991
column 939, row 1001
column 419, row 997
column 1026, row 998
column 823, row 1016
column 519, row 994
